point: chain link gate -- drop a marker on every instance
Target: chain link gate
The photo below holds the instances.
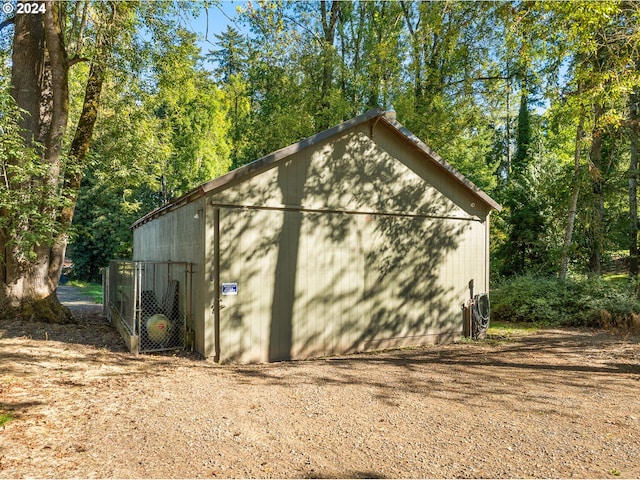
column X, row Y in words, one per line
column 150, row 304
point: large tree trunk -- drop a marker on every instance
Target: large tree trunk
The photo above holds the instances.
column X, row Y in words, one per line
column 30, row 270
column 77, row 155
column 633, row 181
column 29, row 277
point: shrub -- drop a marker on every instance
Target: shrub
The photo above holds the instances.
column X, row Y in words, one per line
column 573, row 302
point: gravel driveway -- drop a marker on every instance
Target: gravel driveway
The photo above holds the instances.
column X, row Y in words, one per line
column 560, row 403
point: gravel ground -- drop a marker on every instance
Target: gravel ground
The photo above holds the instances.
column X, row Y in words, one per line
column 559, row 403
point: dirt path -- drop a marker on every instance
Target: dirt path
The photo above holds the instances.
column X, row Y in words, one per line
column 554, row 404
column 78, row 302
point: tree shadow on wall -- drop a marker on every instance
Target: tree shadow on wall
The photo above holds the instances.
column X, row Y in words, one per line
column 403, row 293
column 378, row 271
column 284, row 289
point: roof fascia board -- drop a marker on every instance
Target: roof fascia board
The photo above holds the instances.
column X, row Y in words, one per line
column 184, row 199
column 268, row 161
column 259, row 165
column 438, row 160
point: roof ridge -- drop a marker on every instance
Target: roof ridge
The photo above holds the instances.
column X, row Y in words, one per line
column 267, row 161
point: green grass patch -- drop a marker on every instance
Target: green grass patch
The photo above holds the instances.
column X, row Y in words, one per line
column 499, row 332
column 512, row 329
column 93, row 290
column 620, row 280
column 5, row 418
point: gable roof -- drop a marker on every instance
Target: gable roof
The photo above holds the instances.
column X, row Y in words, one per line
column 268, row 161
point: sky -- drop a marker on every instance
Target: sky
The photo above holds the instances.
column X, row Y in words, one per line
column 214, row 21
column 211, row 21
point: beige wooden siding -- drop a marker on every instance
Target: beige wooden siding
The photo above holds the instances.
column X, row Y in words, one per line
column 344, row 248
column 381, row 282
column 247, row 257
column 356, row 243
column 179, row 237
column 354, row 172
column 176, row 236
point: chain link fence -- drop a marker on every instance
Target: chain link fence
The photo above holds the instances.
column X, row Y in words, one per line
column 150, row 304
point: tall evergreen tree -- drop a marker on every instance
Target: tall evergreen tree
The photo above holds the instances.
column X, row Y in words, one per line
column 231, row 56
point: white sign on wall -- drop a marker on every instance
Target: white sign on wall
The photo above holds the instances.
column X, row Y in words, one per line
column 230, row 288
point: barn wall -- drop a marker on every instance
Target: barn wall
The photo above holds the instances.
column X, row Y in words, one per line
column 340, row 248
column 358, row 172
column 179, row 237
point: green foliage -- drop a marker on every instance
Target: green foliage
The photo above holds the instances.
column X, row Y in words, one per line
column 188, row 108
column 121, row 184
column 231, row 55
column 523, row 137
column 103, row 217
column 497, row 89
column 154, row 141
column 27, row 200
column 525, row 248
column 593, row 302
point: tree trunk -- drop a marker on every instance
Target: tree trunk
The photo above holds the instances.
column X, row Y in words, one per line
column 595, row 233
column 633, row 182
column 77, row 154
column 40, row 86
column 30, row 268
column 573, row 206
column 329, row 22
column 27, row 72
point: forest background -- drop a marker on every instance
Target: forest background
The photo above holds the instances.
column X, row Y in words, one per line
column 535, row 102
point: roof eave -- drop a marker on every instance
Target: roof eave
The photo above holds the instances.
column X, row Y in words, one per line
column 443, row 164
column 259, row 165
column 266, row 162
column 188, row 197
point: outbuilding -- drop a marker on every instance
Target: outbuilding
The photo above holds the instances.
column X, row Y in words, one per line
column 358, row 238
